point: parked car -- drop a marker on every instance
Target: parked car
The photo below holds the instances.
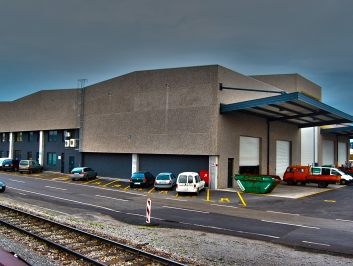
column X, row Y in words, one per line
column 82, row 173
column 10, row 164
column 1, row 160
column 165, row 180
column 144, row 179
column 2, row 186
column 29, row 166
column 189, row 182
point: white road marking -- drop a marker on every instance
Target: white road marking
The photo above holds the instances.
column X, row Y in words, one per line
column 74, row 201
column 321, row 244
column 110, row 198
column 298, row 225
column 230, row 230
column 227, row 206
column 56, row 188
column 18, row 181
column 284, row 213
column 189, row 210
column 175, row 199
column 344, row 220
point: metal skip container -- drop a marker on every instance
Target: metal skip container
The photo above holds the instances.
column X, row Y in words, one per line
column 259, row 184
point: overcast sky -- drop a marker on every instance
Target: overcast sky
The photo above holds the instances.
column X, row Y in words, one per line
column 51, row 44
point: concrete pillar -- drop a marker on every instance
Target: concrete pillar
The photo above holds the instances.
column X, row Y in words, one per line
column 213, row 168
column 11, row 145
column 41, row 147
column 135, row 163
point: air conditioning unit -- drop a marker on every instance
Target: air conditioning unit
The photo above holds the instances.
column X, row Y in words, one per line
column 73, row 143
column 67, row 134
column 67, row 143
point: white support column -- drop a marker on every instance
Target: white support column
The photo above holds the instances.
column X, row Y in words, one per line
column 41, row 148
column 213, row 168
column 11, row 145
column 135, row 163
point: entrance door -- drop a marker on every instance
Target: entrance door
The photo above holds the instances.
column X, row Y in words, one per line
column 230, row 172
column 71, row 163
column 63, row 163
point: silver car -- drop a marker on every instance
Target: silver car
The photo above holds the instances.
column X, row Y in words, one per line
column 82, row 173
column 164, row 180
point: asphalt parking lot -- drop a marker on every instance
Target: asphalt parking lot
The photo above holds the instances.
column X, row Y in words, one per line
column 282, row 190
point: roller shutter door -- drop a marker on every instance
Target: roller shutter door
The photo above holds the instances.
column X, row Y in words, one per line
column 328, row 152
column 342, row 153
column 307, row 146
column 249, row 151
column 282, row 156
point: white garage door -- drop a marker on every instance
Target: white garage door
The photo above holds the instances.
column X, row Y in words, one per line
column 282, row 157
column 328, row 152
column 342, row 153
column 249, row 151
column 307, row 146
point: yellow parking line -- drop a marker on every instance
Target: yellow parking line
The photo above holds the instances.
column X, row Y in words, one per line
column 111, row 182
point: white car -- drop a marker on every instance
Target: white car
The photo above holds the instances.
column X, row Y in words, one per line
column 189, row 182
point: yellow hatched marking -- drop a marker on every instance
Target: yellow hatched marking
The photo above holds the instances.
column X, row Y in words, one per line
column 329, row 200
column 224, row 199
column 163, row 192
column 111, row 182
column 117, row 185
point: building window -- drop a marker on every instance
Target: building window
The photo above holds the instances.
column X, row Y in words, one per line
column 29, row 155
column 19, row 136
column 2, row 154
column 18, row 155
column 51, row 158
column 3, row 137
column 52, row 136
column 30, row 136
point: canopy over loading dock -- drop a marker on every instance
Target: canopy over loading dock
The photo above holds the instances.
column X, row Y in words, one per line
column 294, row 108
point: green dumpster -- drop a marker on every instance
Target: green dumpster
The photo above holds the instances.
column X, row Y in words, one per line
column 260, row 184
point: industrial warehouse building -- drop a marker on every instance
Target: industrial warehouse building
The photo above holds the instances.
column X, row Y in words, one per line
column 203, row 118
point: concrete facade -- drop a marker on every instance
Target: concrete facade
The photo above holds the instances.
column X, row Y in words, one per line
column 169, row 115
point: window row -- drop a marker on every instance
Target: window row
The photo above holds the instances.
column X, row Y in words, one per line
column 34, row 136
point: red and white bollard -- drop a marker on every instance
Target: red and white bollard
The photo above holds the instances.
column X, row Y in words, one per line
column 148, row 211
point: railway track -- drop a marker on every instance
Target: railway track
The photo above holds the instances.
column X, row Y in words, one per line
column 74, row 246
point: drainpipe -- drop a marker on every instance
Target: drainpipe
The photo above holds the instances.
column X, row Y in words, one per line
column 268, row 147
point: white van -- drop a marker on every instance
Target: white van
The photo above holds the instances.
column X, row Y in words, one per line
column 189, row 182
column 345, row 178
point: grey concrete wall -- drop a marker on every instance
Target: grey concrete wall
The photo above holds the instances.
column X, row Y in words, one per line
column 43, row 110
column 232, row 79
column 291, row 83
column 168, row 111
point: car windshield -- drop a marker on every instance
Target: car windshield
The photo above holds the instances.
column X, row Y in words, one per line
column 23, row 162
column 7, row 161
column 77, row 170
column 162, row 177
column 138, row 175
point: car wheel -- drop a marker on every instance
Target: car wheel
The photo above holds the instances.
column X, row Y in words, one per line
column 197, row 192
column 156, row 188
column 3, row 189
column 342, row 182
column 322, row 184
column 15, row 169
column 30, row 171
column 290, row 182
